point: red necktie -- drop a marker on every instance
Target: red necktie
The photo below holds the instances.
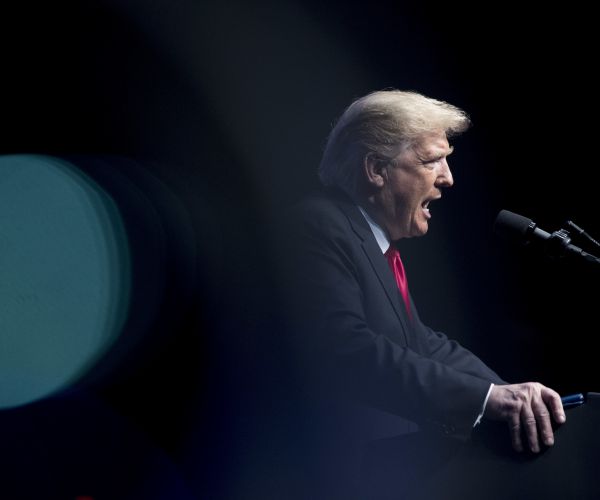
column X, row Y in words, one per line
column 393, row 257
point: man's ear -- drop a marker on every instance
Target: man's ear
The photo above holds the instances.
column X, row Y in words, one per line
column 375, row 170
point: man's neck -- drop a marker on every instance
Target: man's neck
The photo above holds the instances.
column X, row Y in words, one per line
column 383, row 240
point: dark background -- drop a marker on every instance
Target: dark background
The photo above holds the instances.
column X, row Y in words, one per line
column 230, row 103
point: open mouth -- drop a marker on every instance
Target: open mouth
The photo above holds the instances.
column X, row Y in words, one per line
column 425, row 206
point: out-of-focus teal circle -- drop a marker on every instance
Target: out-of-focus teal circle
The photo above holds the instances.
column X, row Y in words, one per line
column 64, row 276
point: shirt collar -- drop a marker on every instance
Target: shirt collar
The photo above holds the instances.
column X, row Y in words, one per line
column 382, row 239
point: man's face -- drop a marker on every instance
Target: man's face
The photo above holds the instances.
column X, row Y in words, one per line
column 411, row 183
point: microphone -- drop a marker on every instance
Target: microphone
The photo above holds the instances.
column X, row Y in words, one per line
column 515, row 228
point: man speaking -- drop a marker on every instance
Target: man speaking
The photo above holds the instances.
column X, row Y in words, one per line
column 384, row 170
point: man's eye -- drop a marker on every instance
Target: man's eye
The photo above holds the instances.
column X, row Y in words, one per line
column 432, row 163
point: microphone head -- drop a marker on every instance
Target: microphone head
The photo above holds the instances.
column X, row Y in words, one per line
column 512, row 227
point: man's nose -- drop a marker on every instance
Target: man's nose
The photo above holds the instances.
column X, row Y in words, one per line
column 444, row 178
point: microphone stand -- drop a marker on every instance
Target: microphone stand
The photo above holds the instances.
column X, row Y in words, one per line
column 559, row 244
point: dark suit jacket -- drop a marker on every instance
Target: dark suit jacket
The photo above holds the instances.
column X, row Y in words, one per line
column 351, row 323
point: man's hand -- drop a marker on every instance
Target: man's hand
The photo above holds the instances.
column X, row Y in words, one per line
column 526, row 407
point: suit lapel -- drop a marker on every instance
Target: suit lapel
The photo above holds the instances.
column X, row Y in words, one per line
column 380, row 266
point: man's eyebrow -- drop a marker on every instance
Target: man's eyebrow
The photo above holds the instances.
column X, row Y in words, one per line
column 435, row 157
column 448, row 152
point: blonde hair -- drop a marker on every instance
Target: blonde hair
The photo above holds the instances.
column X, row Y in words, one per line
column 383, row 123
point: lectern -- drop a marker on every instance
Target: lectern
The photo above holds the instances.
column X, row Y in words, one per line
column 422, row 467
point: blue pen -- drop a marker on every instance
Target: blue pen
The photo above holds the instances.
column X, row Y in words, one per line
column 572, row 400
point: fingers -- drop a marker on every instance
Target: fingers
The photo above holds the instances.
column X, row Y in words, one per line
column 552, row 400
column 514, row 427
column 529, row 410
column 543, row 426
column 530, row 426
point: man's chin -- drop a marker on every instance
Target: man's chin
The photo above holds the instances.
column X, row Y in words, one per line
column 412, row 231
column 420, row 230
